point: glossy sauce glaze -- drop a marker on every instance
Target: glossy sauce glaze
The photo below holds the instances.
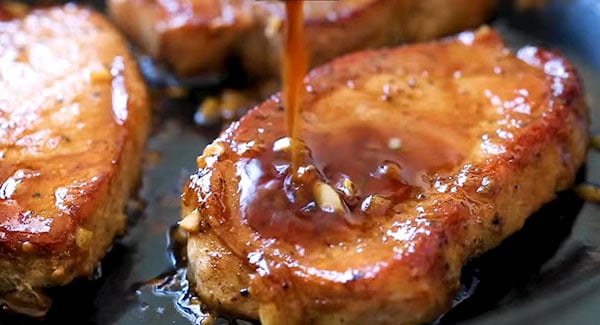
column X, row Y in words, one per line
column 298, row 189
column 371, row 169
column 363, row 167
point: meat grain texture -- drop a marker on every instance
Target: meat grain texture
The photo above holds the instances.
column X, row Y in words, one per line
column 200, row 35
column 74, row 117
column 482, row 138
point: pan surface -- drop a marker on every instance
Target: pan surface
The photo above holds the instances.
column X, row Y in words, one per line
column 548, row 273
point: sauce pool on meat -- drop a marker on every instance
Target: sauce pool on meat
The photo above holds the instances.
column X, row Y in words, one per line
column 305, row 184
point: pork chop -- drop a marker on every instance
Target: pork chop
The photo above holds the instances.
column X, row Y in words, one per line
column 417, row 159
column 73, row 121
column 199, row 35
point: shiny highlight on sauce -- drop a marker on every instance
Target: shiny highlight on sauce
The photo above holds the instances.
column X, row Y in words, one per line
column 295, row 64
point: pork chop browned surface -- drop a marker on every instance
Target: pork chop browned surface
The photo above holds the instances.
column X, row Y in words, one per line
column 199, row 35
column 417, row 159
column 73, row 120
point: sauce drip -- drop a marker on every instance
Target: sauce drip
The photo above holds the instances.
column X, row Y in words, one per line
column 295, row 63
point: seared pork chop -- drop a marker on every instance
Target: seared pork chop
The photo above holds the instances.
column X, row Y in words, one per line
column 199, row 35
column 73, row 120
column 417, row 159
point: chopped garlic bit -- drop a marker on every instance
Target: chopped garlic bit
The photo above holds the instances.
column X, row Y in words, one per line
column 347, row 187
column 214, row 149
column 589, row 192
column 595, row 141
column 27, row 247
column 211, row 154
column 327, row 198
column 374, row 205
column 209, row 111
column 100, row 75
column 191, row 222
column 232, row 101
column 390, row 169
column 307, row 173
column 283, row 144
column 394, row 143
column 176, row 91
column 59, row 273
column 201, row 162
column 83, row 238
column 273, row 26
column 229, row 105
column 121, row 218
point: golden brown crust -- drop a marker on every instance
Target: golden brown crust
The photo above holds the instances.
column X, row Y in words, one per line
column 75, row 116
column 517, row 125
column 224, row 276
column 198, row 36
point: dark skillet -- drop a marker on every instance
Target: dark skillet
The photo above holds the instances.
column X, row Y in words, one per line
column 548, row 273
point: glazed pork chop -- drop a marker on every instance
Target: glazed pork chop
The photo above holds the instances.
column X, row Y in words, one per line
column 73, row 121
column 199, row 35
column 416, row 160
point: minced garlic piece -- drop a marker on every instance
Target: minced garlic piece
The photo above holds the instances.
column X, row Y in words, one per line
column 327, row 198
column 100, row 75
column 83, row 238
column 191, row 222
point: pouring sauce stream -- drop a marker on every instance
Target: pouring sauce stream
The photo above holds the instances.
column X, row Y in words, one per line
column 295, row 63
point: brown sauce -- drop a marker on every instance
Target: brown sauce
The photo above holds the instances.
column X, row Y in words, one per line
column 326, row 177
column 295, row 63
column 364, row 165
